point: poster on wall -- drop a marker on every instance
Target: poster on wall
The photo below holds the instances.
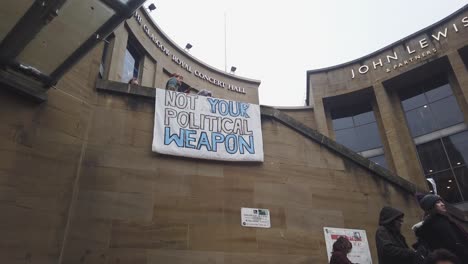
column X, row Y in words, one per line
column 206, row 127
column 255, row 217
column 360, row 252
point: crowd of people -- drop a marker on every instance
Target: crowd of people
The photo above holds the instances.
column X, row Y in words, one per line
column 440, row 239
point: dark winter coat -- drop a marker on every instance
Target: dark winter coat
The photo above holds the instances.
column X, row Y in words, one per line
column 438, row 231
column 339, row 258
column 391, row 245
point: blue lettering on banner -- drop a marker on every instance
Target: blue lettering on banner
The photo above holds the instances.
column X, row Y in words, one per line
column 178, row 139
column 203, row 141
column 231, row 108
column 187, row 138
column 243, row 145
column 231, row 144
column 215, row 139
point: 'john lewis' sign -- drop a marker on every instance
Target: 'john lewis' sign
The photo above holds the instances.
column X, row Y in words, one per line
column 206, row 128
column 412, row 53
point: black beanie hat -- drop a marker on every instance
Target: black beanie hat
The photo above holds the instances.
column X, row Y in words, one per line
column 389, row 214
column 428, row 201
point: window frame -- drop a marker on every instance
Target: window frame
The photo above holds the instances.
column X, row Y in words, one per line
column 137, row 54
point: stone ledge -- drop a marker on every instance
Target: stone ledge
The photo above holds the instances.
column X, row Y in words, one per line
column 285, row 119
column 124, row 88
column 340, row 149
column 267, row 111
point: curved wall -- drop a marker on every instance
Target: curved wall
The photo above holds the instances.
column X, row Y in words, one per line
column 161, row 57
column 442, row 39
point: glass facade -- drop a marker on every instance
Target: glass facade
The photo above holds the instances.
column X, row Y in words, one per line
column 380, row 159
column 431, row 110
column 359, row 132
column 444, row 159
column 131, row 65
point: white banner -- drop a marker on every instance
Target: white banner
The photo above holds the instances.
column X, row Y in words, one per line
column 360, row 252
column 206, row 128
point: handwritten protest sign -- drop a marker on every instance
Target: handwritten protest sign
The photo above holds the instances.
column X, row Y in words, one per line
column 360, row 252
column 206, row 127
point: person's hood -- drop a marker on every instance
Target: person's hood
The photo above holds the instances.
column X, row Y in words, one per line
column 388, row 214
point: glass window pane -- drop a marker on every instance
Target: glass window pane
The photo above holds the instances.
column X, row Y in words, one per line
column 10, row 14
column 414, row 102
column 447, row 187
column 380, row 160
column 457, row 148
column 420, row 121
column 104, row 57
column 446, row 112
column 348, row 138
column 341, row 123
column 439, row 93
column 78, row 20
column 432, row 157
column 128, row 67
column 462, row 180
column 368, row 137
column 364, row 118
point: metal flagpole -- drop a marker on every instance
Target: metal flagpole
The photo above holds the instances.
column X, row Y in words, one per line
column 225, row 44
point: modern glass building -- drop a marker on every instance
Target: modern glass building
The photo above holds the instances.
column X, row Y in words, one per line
column 404, row 107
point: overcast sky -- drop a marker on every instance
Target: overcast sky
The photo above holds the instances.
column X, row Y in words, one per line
column 278, row 41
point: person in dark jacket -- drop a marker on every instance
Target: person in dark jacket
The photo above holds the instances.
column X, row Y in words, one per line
column 442, row 256
column 439, row 231
column 391, row 245
column 341, row 248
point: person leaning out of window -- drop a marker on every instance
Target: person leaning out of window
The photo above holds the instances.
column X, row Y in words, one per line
column 205, row 93
column 175, row 82
column 133, row 81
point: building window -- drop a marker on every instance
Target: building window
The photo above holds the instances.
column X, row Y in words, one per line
column 359, row 132
column 432, row 113
column 105, row 57
column 132, row 59
column 444, row 162
column 430, row 110
column 380, row 159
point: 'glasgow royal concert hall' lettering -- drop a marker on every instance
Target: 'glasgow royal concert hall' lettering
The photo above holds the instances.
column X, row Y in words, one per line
column 182, row 63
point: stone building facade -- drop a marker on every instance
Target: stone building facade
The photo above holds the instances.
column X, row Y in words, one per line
column 139, row 49
column 405, row 106
column 80, row 184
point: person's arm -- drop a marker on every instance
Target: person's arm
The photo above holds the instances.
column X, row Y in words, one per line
column 390, row 248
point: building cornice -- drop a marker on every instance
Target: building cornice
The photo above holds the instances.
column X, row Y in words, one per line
column 390, row 46
column 191, row 57
column 380, row 51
